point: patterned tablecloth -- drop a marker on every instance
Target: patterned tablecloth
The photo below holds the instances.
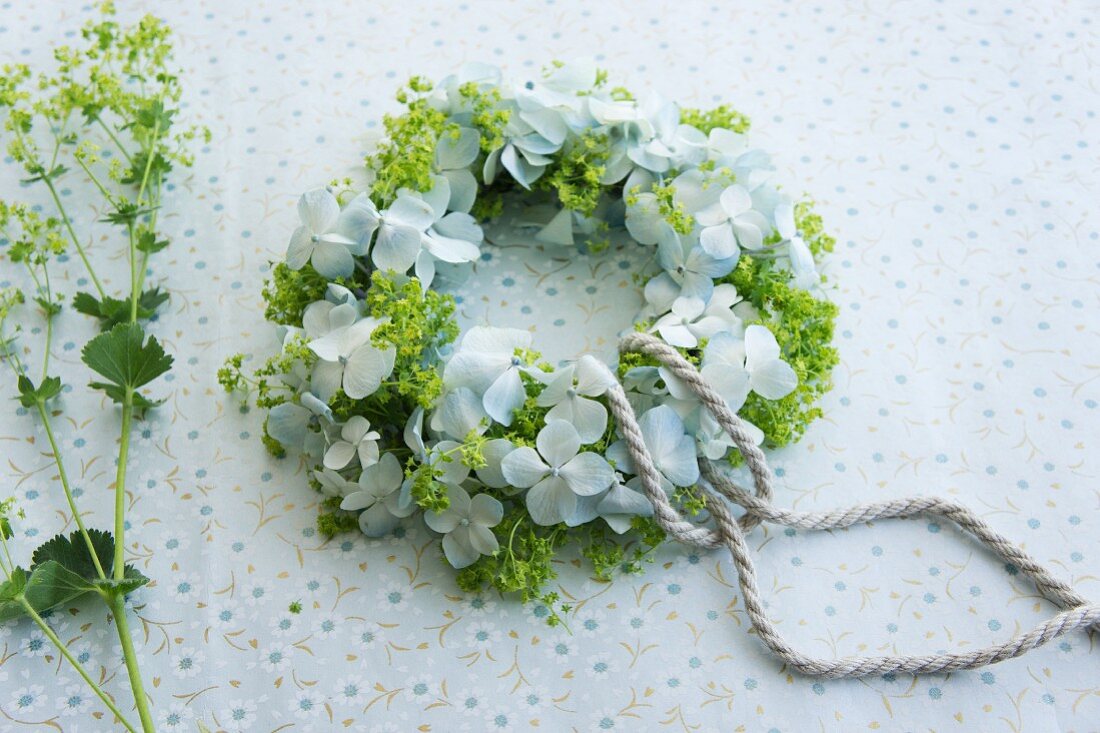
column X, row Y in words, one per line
column 952, row 148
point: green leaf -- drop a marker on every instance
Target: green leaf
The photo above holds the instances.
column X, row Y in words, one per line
column 49, row 307
column 140, row 402
column 113, row 311
column 29, row 395
column 147, row 242
column 158, row 167
column 63, row 571
column 127, row 213
column 126, row 360
column 10, row 591
column 72, row 552
column 48, row 586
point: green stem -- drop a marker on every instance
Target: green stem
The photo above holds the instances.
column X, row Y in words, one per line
column 72, row 236
column 120, row 486
column 135, row 285
column 134, row 288
column 111, row 134
column 117, row 603
column 137, row 685
column 45, row 627
column 95, row 180
column 46, row 353
column 44, row 414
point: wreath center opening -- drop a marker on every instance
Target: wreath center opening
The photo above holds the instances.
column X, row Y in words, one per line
column 575, row 298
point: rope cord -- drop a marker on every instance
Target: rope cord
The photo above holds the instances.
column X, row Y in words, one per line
column 729, row 532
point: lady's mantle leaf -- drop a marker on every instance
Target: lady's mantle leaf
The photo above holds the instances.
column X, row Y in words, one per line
column 113, row 311
column 62, row 572
column 29, row 395
column 125, row 360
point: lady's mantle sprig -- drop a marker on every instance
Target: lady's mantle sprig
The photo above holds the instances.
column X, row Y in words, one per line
column 104, row 119
column 506, row 456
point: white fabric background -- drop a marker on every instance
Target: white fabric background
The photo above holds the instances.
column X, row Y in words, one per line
column 952, row 149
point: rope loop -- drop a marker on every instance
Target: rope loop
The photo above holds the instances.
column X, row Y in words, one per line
column 729, row 532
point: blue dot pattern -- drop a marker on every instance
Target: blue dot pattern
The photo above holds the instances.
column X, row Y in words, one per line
column 951, row 148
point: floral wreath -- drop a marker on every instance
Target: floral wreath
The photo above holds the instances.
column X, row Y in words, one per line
column 397, row 415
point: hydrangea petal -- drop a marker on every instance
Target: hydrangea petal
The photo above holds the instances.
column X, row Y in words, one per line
column 621, row 499
column 332, row 260
column 486, row 510
column 442, row 522
column 458, row 550
column 383, row 477
column 315, row 318
column 494, row 452
column 339, row 455
column 482, row 539
column 366, row 367
column 671, row 447
column 457, row 151
column 463, row 189
column 588, row 474
column 377, row 521
column 474, row 369
column 773, row 379
column 719, row 241
column 523, row 467
column 300, row 248
column 358, row 500
column 326, row 379
column 460, row 412
column 760, row 345
column 410, row 211
column 358, row 221
column 396, row 248
column 559, row 230
column 558, row 442
column 504, row 396
column 318, row 210
column 593, row 377
column 749, row 234
column 288, row 423
column 550, row 501
column 588, row 417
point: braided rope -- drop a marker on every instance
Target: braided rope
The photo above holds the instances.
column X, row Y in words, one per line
column 729, row 532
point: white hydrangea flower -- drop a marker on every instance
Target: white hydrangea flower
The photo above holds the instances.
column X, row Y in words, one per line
column 689, row 271
column 569, row 396
column 556, row 473
column 691, row 319
column 348, row 359
column 466, row 525
column 672, row 449
column 356, row 440
column 731, row 224
column 378, row 497
column 327, row 237
column 486, row 362
column 454, row 154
